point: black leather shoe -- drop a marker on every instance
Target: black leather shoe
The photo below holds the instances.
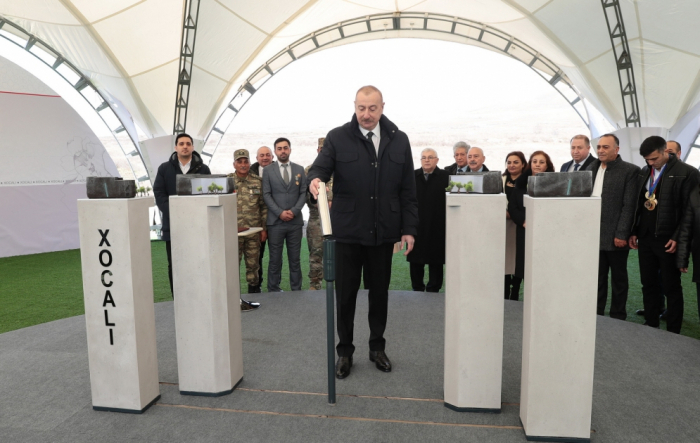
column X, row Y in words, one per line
column 249, row 305
column 663, row 315
column 342, row 367
column 380, row 360
column 640, row 312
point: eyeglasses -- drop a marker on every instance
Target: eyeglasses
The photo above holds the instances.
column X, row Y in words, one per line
column 428, row 158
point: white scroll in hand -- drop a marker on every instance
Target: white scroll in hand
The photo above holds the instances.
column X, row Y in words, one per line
column 324, row 210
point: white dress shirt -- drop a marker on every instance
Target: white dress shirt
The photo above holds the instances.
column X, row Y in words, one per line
column 186, row 167
column 375, row 136
column 657, row 175
column 289, row 168
column 598, row 185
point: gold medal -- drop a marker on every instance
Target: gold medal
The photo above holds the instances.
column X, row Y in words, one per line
column 651, row 202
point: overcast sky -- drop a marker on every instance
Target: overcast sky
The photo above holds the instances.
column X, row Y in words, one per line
column 437, row 92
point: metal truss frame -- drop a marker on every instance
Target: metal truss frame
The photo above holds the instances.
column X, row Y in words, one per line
column 72, row 75
column 382, row 25
column 184, row 77
column 623, row 61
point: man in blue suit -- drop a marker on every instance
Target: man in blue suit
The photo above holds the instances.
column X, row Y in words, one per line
column 284, row 192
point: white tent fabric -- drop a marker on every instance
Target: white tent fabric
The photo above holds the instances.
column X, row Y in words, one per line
column 130, row 48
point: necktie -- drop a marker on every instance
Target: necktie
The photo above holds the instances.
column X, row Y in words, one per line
column 576, row 167
column 462, row 171
column 426, row 176
column 286, row 174
column 369, row 136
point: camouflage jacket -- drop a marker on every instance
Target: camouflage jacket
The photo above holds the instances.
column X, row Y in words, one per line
column 313, row 206
column 252, row 211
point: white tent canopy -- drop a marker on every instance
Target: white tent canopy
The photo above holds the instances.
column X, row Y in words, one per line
column 129, row 49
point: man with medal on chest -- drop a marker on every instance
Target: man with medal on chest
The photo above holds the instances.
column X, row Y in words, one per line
column 664, row 185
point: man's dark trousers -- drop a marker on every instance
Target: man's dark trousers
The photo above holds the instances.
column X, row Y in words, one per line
column 169, row 253
column 435, row 277
column 616, row 263
column 350, row 259
column 652, row 258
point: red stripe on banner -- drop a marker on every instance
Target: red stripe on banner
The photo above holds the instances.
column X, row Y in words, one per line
column 26, row 93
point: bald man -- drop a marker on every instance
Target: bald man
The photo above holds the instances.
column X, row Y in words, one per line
column 264, row 157
column 475, row 160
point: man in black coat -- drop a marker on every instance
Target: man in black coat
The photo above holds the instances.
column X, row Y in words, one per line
column 581, row 156
column 689, row 241
column 460, row 165
column 264, row 158
column 475, row 160
column 429, row 249
column 185, row 160
column 615, row 181
column 664, row 188
column 374, row 206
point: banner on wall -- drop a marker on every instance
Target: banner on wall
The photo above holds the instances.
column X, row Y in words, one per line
column 45, row 142
column 48, row 152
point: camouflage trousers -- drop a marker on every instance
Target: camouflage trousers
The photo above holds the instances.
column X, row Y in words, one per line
column 314, row 238
column 250, row 246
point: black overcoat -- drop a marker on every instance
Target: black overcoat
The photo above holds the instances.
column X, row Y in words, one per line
column 516, row 209
column 165, row 185
column 430, row 241
column 374, row 197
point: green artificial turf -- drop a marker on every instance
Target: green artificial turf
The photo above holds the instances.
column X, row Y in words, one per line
column 40, row 288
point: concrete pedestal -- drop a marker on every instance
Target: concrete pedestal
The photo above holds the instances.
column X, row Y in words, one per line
column 475, row 259
column 115, row 251
column 204, row 233
column 559, row 318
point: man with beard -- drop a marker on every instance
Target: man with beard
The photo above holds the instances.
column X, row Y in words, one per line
column 185, row 160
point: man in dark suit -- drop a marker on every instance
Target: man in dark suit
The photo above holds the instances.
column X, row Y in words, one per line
column 581, row 156
column 284, row 192
column 429, row 249
column 460, row 165
column 615, row 181
column 374, row 206
column 663, row 191
column 184, row 160
column 264, row 158
column 475, row 160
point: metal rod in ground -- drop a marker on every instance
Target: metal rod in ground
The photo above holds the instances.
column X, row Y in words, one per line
column 329, row 276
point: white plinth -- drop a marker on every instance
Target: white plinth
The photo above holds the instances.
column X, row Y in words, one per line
column 475, row 259
column 204, row 241
column 115, row 251
column 559, row 318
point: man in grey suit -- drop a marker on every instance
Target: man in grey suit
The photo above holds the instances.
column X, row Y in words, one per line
column 284, row 192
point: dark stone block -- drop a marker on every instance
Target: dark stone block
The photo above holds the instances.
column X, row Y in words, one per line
column 491, row 181
column 561, row 184
column 110, row 187
column 183, row 184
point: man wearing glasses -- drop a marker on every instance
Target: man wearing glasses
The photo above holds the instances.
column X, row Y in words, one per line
column 429, row 248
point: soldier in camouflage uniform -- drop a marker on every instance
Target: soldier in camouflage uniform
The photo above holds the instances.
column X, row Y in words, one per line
column 252, row 212
column 314, row 236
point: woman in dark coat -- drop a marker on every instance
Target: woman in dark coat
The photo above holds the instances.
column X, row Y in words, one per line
column 515, row 189
column 516, row 167
column 429, row 248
